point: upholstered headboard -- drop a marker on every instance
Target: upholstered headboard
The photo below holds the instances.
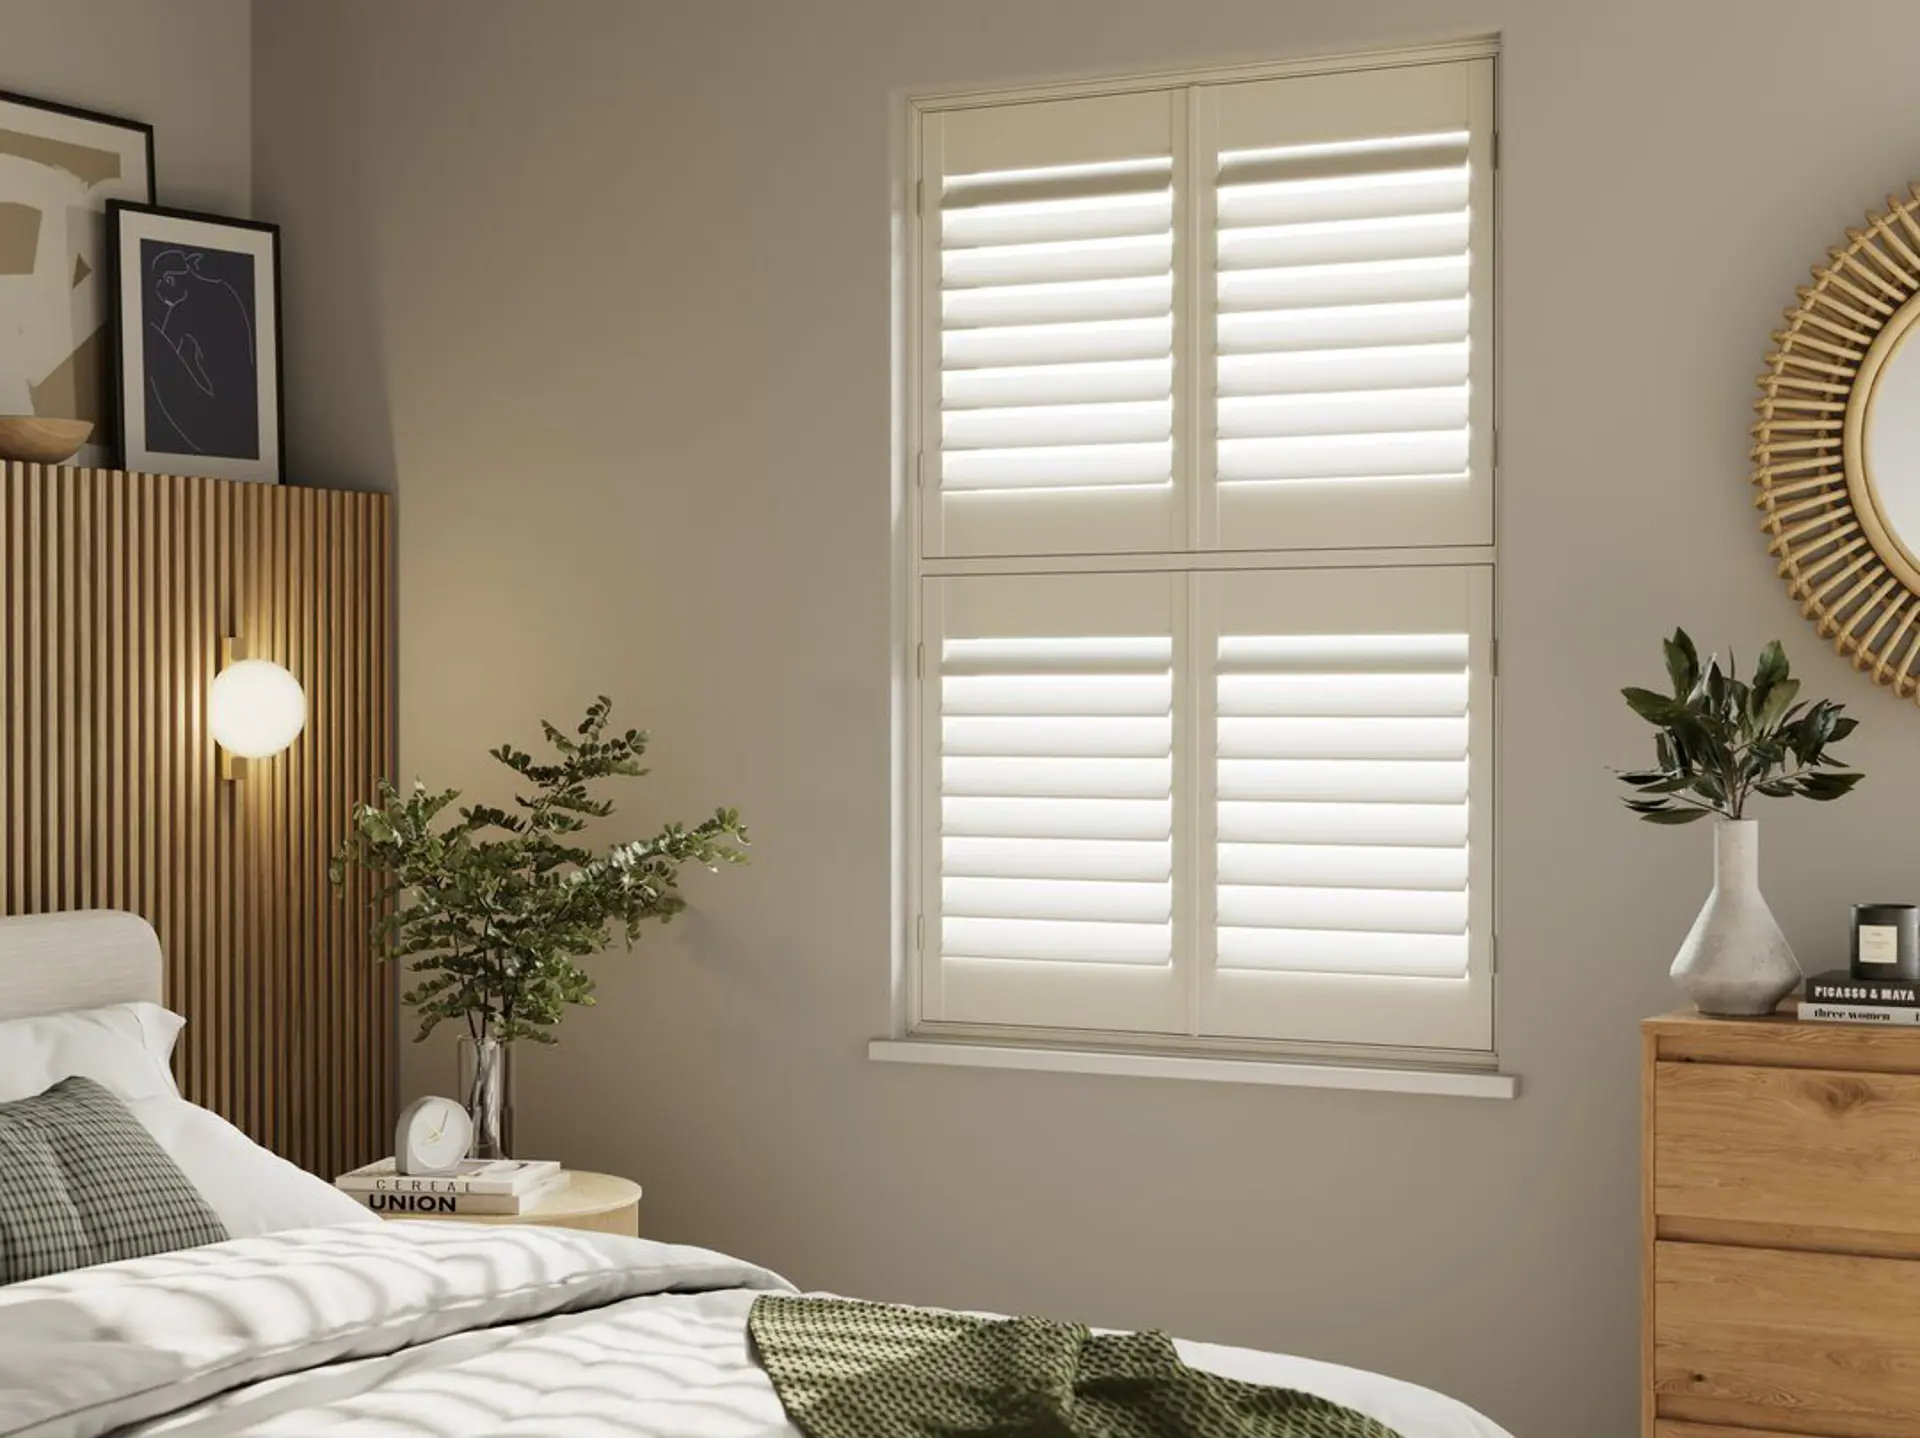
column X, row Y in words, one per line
column 78, row 960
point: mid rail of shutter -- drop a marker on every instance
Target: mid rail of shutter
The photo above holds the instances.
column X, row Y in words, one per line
column 1048, row 871
column 1351, row 286
column 1047, row 312
column 1346, row 721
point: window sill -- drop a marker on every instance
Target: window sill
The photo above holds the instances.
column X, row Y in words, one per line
column 1454, row 1083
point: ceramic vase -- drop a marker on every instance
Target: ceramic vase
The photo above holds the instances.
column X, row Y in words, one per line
column 1735, row 960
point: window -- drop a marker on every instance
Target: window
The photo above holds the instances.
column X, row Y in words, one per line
column 1202, row 561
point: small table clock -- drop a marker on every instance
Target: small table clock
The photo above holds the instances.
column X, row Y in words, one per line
column 432, row 1137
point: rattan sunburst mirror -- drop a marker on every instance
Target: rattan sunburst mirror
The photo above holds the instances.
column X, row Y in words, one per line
column 1837, row 447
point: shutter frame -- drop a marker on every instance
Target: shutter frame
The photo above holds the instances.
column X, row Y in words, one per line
column 1185, row 542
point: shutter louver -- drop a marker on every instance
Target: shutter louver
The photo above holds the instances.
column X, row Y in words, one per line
column 1345, row 282
column 1056, row 799
column 1054, row 311
column 1342, row 782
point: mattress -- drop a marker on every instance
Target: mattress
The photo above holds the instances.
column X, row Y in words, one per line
column 424, row 1330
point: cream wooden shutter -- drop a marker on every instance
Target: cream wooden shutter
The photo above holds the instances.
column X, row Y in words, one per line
column 1047, row 318
column 1048, row 796
column 1347, row 236
column 1159, row 793
column 1345, row 866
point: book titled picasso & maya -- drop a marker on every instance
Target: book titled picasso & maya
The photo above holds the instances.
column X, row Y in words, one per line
column 483, row 1186
column 1839, row 997
column 1839, row 986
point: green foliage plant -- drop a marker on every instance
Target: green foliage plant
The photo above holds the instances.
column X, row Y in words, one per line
column 492, row 910
column 1719, row 741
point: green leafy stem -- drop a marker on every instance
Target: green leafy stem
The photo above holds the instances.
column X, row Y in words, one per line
column 1721, row 740
column 492, row 909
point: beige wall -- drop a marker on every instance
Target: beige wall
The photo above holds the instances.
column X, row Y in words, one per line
column 601, row 289
column 184, row 67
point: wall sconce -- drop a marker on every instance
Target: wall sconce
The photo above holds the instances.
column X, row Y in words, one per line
column 255, row 709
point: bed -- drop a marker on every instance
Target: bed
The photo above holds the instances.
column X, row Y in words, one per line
column 316, row 1319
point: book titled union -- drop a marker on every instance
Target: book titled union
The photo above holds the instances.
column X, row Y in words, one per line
column 382, row 1202
column 429, row 1205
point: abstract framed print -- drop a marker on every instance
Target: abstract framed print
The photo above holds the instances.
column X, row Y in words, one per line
column 197, row 343
column 59, row 169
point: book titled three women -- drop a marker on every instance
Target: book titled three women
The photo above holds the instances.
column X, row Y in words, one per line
column 485, row 1186
column 1885, row 1015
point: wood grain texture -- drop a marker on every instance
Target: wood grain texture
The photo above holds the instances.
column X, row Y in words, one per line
column 1788, row 1146
column 1648, row 1049
column 1717, row 1430
column 1808, row 1238
column 1801, row 1342
column 116, row 592
column 1781, row 1214
column 1782, row 1041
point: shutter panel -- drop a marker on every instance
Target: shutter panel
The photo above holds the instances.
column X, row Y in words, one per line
column 1048, row 866
column 1047, row 314
column 1347, row 852
column 1349, row 219
column 1186, row 799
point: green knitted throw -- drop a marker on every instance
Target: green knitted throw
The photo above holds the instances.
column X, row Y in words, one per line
column 846, row 1369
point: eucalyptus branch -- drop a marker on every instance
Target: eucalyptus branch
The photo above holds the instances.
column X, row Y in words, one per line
column 493, row 910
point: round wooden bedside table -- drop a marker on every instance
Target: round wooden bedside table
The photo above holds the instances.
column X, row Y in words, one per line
column 598, row 1202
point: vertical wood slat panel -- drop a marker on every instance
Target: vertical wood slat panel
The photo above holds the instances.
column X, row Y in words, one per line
column 116, row 591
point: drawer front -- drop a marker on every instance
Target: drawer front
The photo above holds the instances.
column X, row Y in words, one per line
column 1812, row 1147
column 1814, row 1343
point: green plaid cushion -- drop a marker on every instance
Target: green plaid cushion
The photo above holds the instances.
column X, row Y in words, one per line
column 81, row 1182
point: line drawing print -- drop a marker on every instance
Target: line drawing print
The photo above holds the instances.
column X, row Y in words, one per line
column 202, row 363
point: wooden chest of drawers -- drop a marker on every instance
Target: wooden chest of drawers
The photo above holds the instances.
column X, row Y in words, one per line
column 1781, row 1219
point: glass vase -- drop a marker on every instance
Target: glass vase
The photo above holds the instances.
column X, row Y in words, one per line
column 483, row 1085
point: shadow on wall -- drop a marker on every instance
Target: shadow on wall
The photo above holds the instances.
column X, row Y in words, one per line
column 318, row 188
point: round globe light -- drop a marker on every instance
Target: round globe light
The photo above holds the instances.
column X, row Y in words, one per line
column 255, row 709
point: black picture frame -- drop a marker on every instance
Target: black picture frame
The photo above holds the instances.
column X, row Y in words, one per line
column 101, row 446
column 136, row 447
column 96, row 117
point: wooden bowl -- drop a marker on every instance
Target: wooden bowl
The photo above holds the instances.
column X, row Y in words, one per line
column 38, row 440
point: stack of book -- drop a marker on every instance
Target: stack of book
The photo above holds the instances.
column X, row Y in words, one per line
column 488, row 1186
column 1837, row 997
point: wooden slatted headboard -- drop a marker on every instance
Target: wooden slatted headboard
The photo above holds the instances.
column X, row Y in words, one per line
column 115, row 591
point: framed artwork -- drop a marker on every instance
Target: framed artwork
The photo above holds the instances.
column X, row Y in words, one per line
column 59, row 169
column 196, row 306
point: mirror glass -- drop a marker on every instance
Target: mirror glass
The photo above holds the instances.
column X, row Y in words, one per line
column 1892, row 442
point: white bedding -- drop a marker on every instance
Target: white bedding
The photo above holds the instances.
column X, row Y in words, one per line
column 445, row 1331
column 126, row 1048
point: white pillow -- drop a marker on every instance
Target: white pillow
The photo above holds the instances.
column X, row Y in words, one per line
column 254, row 1191
column 127, row 1048
column 124, row 1048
